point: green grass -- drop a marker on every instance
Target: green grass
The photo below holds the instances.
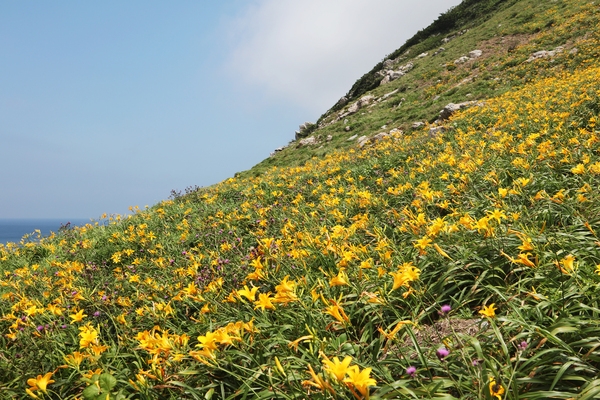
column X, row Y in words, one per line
column 321, row 273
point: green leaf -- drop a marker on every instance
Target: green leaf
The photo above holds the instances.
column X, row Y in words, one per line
column 107, row 382
column 91, row 392
column 209, row 394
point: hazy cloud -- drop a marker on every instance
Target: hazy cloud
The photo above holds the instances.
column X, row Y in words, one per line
column 310, row 52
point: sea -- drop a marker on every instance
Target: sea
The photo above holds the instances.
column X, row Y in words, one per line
column 13, row 229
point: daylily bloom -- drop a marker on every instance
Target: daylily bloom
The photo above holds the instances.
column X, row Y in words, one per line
column 77, row 317
column 339, row 280
column 250, row 294
column 336, row 368
column 496, row 390
column 40, row 383
column 361, row 380
column 317, row 381
column 488, row 311
column 264, row 302
column 337, row 312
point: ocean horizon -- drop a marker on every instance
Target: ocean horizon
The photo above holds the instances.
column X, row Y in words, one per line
column 13, row 229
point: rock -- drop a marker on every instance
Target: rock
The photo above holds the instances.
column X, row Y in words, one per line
column 384, row 127
column 362, row 141
column 417, row 125
column 461, row 60
column 391, row 75
column 438, row 51
column 396, row 132
column 363, row 101
column 385, row 96
column 451, row 108
column 379, row 136
column 538, row 54
column 434, row 130
column 545, row 53
column 475, row 53
column 574, row 50
column 279, row 149
column 329, row 137
column 304, row 130
column 347, row 128
column 407, row 67
column 388, row 64
column 422, row 55
column 351, row 138
column 309, row 141
column 341, row 102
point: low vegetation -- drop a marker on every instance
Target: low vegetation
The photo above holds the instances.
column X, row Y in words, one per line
column 460, row 264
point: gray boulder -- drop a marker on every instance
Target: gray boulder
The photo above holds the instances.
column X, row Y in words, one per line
column 362, row 141
column 309, row 141
column 475, row 53
column 304, row 130
column 451, row 108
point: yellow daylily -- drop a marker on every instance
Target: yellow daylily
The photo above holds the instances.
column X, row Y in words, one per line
column 40, row 382
column 488, row 311
column 336, row 368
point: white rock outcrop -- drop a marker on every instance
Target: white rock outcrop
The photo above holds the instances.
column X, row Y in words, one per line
column 309, row 141
column 545, row 53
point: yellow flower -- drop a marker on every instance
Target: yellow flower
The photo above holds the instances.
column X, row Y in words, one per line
column 339, row 280
column 496, row 389
column 264, row 302
column 578, row 170
column 336, row 368
column 488, row 311
column 406, row 274
column 250, row 294
column 87, row 336
column 74, row 359
column 208, row 341
column 317, row 381
column 567, row 264
column 523, row 258
column 422, row 244
column 361, row 380
column 121, row 319
column 337, row 312
column 40, row 383
column 77, row 317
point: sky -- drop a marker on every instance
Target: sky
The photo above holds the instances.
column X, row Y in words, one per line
column 112, row 104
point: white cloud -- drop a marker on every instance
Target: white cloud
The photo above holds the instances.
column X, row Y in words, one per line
column 310, row 52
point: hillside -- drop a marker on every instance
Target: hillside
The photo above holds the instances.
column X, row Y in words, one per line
column 446, row 256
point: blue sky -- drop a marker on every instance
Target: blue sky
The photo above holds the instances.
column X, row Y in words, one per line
column 106, row 105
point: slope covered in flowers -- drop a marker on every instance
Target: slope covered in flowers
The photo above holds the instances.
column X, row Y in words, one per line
column 464, row 264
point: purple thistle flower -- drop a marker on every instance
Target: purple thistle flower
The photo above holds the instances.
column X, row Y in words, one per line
column 522, row 345
column 411, row 371
column 97, row 313
column 442, row 352
column 445, row 309
column 40, row 328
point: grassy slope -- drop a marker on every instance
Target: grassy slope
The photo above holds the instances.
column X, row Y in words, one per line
column 253, row 287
